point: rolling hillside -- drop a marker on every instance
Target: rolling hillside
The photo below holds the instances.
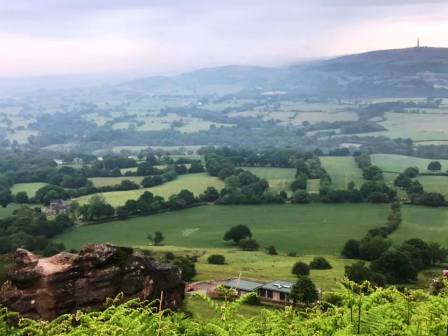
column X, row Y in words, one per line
column 399, row 72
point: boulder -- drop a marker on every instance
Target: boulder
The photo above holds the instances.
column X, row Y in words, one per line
column 44, row 288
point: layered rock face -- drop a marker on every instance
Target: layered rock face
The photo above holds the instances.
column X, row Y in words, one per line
column 48, row 287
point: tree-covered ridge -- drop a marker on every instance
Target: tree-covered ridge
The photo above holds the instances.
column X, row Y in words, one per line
column 353, row 310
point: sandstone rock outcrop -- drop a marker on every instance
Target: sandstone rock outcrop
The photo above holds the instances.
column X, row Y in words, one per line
column 48, row 287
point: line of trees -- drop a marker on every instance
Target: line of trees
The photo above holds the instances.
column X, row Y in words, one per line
column 392, row 265
column 415, row 191
column 97, row 208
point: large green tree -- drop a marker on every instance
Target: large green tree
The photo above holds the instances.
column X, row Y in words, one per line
column 304, row 291
column 238, row 233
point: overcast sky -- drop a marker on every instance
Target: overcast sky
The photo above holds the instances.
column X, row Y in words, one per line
column 53, row 37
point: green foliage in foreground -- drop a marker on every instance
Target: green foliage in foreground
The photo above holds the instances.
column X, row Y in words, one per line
column 378, row 312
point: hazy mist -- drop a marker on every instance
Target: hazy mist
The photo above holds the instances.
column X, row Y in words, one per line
column 60, row 37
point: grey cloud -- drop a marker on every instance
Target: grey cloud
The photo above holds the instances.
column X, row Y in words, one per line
column 178, row 34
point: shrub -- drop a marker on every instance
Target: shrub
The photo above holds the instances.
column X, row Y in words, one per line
column 320, row 263
column 432, row 199
column 210, row 195
column 300, row 269
column 299, row 183
column 216, row 259
column 271, row 250
column 187, row 266
column 22, row 197
column 434, row 166
column 351, row 249
column 292, row 254
column 251, row 299
column 300, row 197
column 411, row 172
column 359, row 272
column 169, row 256
column 248, row 245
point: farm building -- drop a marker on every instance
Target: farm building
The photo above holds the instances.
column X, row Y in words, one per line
column 58, row 207
column 277, row 291
column 273, row 292
column 242, row 286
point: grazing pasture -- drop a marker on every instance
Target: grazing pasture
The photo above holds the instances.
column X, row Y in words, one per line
column 196, row 183
column 29, row 188
column 309, row 230
column 5, row 212
column 306, row 229
column 429, row 224
column 279, row 178
column 110, row 181
column 398, row 163
column 313, row 186
column 416, row 126
column 125, row 170
column 259, row 265
column 435, row 184
column 342, row 170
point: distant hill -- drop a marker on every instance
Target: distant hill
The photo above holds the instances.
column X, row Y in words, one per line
column 416, row 72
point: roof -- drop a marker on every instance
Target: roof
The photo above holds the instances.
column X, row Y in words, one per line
column 279, row 286
column 244, row 285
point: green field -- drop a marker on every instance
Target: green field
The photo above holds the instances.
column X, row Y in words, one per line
column 279, row 178
column 342, row 170
column 435, row 184
column 110, row 181
column 416, row 126
column 309, row 230
column 125, row 170
column 429, row 224
column 29, row 188
column 306, row 229
column 5, row 212
column 313, row 186
column 196, row 183
column 259, row 265
column 398, row 163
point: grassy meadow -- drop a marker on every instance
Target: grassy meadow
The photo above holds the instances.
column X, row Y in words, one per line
column 125, row 170
column 342, row 170
column 279, row 178
column 398, row 163
column 5, row 212
column 435, row 184
column 429, row 224
column 109, row 181
column 416, row 126
column 29, row 188
column 196, row 183
column 313, row 186
column 309, row 230
column 306, row 229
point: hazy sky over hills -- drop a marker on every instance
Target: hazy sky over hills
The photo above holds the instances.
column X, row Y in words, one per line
column 50, row 37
